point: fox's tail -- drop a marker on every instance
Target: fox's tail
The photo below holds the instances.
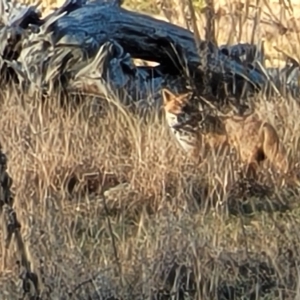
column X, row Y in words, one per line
column 273, row 148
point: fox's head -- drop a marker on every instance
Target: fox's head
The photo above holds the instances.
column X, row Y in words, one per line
column 179, row 113
column 175, row 104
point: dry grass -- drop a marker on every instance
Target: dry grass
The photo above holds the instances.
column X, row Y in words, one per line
column 161, row 210
column 147, row 210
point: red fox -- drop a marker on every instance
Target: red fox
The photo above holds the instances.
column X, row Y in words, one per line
column 255, row 140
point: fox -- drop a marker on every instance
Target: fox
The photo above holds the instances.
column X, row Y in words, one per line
column 255, row 140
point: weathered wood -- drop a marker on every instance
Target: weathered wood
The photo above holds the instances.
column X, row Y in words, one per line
column 143, row 37
column 70, row 39
column 90, row 25
column 51, row 55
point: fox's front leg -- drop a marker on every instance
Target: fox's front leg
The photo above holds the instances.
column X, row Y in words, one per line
column 251, row 170
column 196, row 155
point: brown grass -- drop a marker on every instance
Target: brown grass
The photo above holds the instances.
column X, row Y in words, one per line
column 159, row 211
column 112, row 204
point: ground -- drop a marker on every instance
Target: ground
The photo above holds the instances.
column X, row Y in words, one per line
column 152, row 223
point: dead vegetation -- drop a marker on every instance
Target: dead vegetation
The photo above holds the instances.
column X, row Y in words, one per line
column 109, row 207
column 152, row 221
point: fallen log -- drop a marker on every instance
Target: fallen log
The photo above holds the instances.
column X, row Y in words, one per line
column 51, row 53
column 90, row 25
column 146, row 38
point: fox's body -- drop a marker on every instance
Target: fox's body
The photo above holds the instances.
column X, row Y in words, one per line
column 255, row 140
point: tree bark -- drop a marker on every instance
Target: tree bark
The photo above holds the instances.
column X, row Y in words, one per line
column 143, row 37
column 89, row 25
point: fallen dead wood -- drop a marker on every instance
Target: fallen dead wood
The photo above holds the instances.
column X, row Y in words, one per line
column 90, row 25
column 88, row 48
column 142, row 37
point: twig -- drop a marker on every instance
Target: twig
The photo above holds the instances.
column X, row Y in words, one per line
column 11, row 232
column 113, row 241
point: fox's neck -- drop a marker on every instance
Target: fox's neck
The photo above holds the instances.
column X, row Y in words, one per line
column 171, row 119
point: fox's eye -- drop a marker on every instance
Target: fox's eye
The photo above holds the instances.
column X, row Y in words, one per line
column 183, row 117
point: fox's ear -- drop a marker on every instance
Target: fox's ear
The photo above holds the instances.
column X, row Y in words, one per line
column 168, row 96
column 185, row 97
